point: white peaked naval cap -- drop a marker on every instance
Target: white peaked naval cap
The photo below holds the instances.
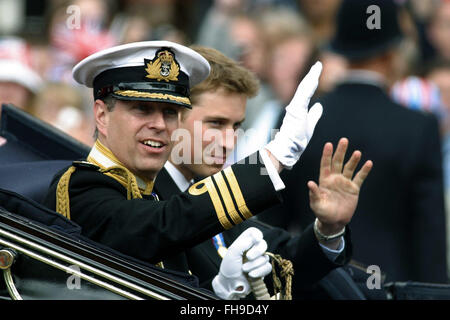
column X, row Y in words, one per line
column 148, row 71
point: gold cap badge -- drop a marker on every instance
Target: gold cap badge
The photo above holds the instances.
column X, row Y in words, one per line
column 163, row 66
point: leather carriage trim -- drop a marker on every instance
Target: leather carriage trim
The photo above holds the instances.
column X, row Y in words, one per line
column 80, row 264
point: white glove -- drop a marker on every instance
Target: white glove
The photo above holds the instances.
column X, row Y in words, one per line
column 231, row 283
column 298, row 124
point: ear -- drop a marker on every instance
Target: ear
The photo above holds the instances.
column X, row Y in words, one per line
column 101, row 117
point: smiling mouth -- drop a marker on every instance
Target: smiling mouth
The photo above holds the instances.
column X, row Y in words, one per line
column 217, row 160
column 153, row 144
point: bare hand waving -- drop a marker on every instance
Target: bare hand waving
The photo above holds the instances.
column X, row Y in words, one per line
column 335, row 199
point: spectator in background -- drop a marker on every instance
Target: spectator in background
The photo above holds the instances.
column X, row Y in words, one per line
column 72, row 38
column 251, row 50
column 216, row 28
column 143, row 21
column 420, row 13
column 334, row 69
column 18, row 82
column 277, row 23
column 61, row 105
column 401, row 222
column 408, row 55
column 290, row 48
column 439, row 73
column 241, row 37
column 419, row 94
column 248, row 37
column 214, row 31
column 439, row 29
column 430, row 93
column 132, row 27
column 289, row 59
column 321, row 15
column 290, row 53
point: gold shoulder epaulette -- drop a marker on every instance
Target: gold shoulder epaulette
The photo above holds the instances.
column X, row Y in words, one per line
column 62, row 189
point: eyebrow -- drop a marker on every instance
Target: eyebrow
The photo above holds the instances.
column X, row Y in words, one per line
column 241, row 121
column 136, row 103
column 221, row 118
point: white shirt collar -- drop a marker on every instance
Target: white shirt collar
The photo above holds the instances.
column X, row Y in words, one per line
column 364, row 76
column 181, row 182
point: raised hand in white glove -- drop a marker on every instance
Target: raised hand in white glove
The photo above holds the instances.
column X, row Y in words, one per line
column 298, row 124
column 231, row 282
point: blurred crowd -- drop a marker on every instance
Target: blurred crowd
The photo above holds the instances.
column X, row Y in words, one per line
column 40, row 42
column 276, row 39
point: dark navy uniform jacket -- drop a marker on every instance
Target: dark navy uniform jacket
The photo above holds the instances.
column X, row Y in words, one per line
column 308, row 258
column 155, row 230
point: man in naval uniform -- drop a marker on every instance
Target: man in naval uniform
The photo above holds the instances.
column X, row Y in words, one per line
column 219, row 103
column 136, row 109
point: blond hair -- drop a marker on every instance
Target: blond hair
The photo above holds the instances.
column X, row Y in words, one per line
column 225, row 74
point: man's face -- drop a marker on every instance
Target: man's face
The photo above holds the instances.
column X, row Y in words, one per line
column 138, row 133
column 287, row 62
column 212, row 123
